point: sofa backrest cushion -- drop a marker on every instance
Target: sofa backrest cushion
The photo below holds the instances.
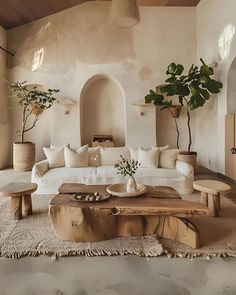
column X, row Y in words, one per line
column 133, row 153
column 55, row 157
column 76, row 158
column 148, row 159
column 168, row 158
column 94, row 156
column 110, row 156
column 160, row 148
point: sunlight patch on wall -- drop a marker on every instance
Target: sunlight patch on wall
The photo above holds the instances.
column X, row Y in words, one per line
column 225, row 41
column 38, row 59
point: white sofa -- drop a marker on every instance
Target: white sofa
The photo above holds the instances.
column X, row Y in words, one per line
column 49, row 180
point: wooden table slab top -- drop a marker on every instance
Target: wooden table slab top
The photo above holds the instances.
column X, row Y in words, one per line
column 163, row 192
column 136, row 206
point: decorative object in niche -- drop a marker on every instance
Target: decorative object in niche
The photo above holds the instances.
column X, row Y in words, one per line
column 124, row 13
column 193, row 90
column 103, row 141
column 33, row 102
column 66, row 102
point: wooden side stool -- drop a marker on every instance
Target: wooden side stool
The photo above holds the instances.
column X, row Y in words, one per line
column 20, row 193
column 210, row 193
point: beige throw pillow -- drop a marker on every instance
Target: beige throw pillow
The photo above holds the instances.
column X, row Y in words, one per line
column 148, row 159
column 76, row 158
column 110, row 156
column 168, row 158
column 160, row 148
column 94, row 157
column 55, row 157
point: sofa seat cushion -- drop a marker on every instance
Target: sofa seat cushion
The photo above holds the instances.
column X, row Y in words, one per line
column 158, row 173
column 69, row 174
column 107, row 171
column 110, row 171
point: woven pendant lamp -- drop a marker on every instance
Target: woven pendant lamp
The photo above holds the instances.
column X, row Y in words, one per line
column 124, row 13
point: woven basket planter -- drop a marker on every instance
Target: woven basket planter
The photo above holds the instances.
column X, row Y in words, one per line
column 175, row 111
column 23, row 156
column 190, row 158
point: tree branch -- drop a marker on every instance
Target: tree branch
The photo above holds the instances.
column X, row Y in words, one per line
column 34, row 123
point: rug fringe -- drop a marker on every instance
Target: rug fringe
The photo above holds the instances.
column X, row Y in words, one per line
column 110, row 252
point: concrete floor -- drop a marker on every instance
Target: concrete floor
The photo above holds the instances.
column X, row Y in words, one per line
column 114, row 275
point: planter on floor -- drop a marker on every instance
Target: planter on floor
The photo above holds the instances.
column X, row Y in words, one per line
column 23, row 156
column 190, row 158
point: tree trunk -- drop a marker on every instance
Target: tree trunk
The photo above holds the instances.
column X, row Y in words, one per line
column 189, row 130
column 177, row 130
column 22, row 136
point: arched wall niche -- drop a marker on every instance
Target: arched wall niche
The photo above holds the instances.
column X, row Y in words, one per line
column 231, row 88
column 102, row 109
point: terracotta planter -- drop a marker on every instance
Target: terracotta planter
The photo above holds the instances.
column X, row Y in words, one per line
column 36, row 110
column 23, row 156
column 190, row 158
column 175, row 111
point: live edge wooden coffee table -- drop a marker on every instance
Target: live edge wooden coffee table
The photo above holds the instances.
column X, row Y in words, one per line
column 20, row 193
column 159, row 211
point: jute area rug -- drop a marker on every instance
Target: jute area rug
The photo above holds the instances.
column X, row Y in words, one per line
column 34, row 235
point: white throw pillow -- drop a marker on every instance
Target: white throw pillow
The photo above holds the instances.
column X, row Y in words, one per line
column 76, row 158
column 133, row 153
column 59, row 147
column 55, row 157
column 110, row 156
column 148, row 159
column 168, row 158
column 94, row 157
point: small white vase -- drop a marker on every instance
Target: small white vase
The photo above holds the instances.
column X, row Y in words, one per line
column 131, row 185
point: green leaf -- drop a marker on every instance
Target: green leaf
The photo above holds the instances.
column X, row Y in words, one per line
column 179, row 70
column 171, row 69
column 206, row 71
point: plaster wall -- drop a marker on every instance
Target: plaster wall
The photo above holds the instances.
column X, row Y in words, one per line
column 4, row 104
column 79, row 43
column 216, row 24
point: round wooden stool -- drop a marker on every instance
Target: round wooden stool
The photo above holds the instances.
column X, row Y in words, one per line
column 210, row 193
column 20, row 193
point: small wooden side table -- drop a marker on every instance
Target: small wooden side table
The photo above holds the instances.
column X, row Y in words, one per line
column 20, row 193
column 210, row 193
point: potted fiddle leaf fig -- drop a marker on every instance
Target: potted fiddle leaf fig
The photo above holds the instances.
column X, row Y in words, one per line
column 33, row 102
column 193, row 89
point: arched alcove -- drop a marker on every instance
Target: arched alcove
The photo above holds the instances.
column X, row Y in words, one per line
column 102, row 109
column 231, row 89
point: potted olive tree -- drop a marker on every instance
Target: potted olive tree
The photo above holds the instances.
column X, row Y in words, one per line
column 193, row 89
column 33, row 102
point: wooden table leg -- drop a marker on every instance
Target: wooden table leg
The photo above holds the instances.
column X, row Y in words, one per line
column 178, row 229
column 16, row 208
column 26, row 205
column 204, row 198
column 214, row 204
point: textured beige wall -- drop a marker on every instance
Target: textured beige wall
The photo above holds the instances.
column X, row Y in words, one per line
column 4, row 104
column 79, row 43
column 216, row 41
